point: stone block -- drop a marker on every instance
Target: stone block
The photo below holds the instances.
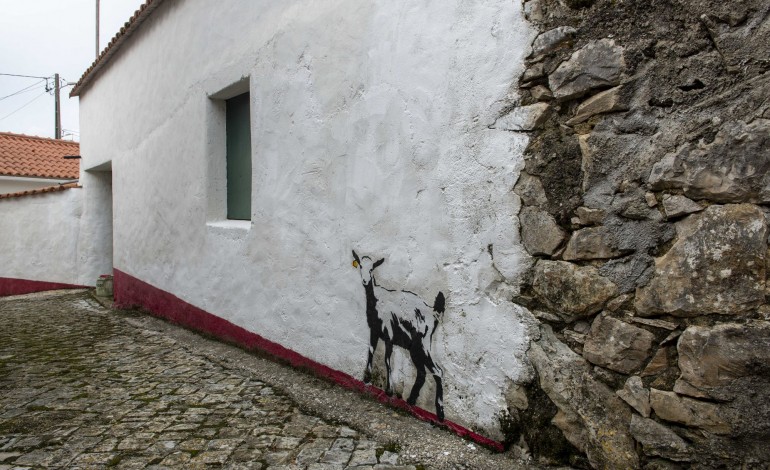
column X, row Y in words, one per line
column 541, row 93
column 590, row 216
column 590, row 243
column 540, row 233
column 533, row 72
column 658, row 364
column 671, row 407
column 734, row 167
column 530, row 189
column 552, row 39
column 104, row 286
column 666, row 325
column 533, row 11
column 617, row 345
column 656, row 439
column 523, row 118
column 716, row 266
column 604, row 102
column 678, row 205
column 572, row 428
column 598, row 64
column 593, row 418
column 636, row 395
column 570, row 289
column 711, row 358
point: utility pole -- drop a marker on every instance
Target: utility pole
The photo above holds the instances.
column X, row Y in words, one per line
column 57, row 106
column 97, row 29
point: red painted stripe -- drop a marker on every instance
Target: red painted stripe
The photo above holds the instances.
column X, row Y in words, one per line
column 10, row 286
column 131, row 292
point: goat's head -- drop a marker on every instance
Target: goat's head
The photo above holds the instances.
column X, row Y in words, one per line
column 365, row 267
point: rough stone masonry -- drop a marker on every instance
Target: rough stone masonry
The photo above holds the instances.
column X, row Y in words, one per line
column 645, row 210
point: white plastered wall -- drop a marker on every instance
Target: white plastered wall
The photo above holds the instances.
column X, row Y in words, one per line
column 94, row 248
column 369, row 133
column 40, row 236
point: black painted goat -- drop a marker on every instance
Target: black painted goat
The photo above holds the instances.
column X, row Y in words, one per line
column 398, row 317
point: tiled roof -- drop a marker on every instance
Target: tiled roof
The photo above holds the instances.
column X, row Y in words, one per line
column 115, row 44
column 24, row 155
column 49, row 189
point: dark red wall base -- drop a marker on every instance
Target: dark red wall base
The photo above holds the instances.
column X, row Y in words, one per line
column 131, row 292
column 10, row 286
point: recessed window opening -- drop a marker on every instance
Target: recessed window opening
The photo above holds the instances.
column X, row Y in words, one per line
column 238, row 132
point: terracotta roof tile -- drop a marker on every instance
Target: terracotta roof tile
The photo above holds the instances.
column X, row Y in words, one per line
column 49, row 189
column 24, row 155
column 114, row 45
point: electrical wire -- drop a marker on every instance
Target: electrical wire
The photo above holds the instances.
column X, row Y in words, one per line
column 22, row 76
column 25, row 105
column 22, row 90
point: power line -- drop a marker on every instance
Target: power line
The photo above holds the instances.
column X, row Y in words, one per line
column 25, row 105
column 22, row 76
column 57, row 87
column 22, row 90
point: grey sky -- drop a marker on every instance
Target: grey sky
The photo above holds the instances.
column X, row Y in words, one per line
column 43, row 37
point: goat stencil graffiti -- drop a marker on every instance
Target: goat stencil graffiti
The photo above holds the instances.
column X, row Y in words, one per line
column 399, row 318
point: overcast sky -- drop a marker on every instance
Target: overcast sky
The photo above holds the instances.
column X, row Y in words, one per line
column 41, row 38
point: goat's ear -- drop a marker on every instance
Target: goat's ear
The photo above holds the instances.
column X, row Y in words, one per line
column 355, row 257
column 378, row 262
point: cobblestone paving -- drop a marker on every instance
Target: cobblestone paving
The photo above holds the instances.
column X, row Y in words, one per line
column 82, row 388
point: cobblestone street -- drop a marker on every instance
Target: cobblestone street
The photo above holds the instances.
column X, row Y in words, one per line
column 82, row 386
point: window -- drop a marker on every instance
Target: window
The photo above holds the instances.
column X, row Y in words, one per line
column 238, row 131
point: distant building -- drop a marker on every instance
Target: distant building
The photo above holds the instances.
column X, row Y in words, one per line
column 29, row 163
column 41, row 203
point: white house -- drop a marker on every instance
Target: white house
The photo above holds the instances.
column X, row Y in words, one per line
column 41, row 203
column 307, row 176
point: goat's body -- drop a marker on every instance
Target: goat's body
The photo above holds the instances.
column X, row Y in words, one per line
column 404, row 311
column 401, row 318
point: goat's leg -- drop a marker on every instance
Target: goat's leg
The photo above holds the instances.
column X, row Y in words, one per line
column 419, row 363
column 388, row 354
column 438, row 376
column 439, row 397
column 374, row 338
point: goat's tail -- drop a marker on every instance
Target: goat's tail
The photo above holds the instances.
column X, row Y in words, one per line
column 440, row 303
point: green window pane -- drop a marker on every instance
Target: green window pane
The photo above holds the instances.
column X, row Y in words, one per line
column 238, row 158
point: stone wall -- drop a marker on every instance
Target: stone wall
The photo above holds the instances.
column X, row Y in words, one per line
column 645, row 200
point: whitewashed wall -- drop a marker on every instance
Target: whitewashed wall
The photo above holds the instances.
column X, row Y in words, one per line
column 39, row 235
column 94, row 244
column 369, row 133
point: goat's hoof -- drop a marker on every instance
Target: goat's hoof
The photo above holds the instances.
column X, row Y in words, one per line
column 411, row 402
